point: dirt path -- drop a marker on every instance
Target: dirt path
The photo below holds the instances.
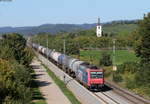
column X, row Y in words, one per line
column 49, row 90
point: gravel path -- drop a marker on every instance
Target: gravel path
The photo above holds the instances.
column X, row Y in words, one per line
column 49, row 90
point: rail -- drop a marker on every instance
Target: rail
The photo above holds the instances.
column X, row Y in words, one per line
column 132, row 97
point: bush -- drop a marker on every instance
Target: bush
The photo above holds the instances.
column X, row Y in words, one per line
column 117, row 78
column 142, row 77
column 14, row 83
column 130, row 83
column 105, row 59
column 108, row 71
column 128, row 67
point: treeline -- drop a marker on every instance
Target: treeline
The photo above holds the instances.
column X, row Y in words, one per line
column 83, row 40
column 15, row 78
column 121, row 22
column 123, row 33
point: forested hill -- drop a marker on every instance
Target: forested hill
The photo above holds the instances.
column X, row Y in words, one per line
column 48, row 28
column 55, row 28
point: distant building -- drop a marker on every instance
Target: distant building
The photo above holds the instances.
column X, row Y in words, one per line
column 99, row 29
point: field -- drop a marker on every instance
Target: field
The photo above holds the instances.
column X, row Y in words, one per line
column 121, row 56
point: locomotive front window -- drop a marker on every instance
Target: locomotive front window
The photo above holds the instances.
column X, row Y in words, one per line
column 96, row 75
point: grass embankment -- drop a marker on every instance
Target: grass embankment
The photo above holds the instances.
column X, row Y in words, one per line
column 62, row 86
column 121, row 56
column 37, row 97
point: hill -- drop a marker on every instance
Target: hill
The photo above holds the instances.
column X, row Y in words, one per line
column 48, row 28
column 113, row 27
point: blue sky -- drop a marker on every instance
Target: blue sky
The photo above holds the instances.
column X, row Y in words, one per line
column 37, row 12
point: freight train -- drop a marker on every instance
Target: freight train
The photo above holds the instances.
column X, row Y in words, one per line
column 88, row 75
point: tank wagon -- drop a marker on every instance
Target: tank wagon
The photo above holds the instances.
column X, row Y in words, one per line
column 87, row 74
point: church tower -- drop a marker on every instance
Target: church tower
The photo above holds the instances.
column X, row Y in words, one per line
column 99, row 29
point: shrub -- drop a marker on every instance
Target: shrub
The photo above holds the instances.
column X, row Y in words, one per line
column 130, row 83
column 105, row 59
column 108, row 71
column 117, row 78
column 128, row 67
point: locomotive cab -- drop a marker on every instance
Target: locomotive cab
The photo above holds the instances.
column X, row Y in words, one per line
column 90, row 76
column 96, row 79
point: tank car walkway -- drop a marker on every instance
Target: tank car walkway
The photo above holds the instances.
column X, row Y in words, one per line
column 49, row 90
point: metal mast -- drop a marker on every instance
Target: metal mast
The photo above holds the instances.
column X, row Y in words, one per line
column 47, row 45
column 64, row 49
column 114, row 53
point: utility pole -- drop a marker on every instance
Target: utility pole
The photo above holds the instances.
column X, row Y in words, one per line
column 47, row 45
column 64, row 46
column 114, row 53
column 78, row 45
column 64, row 49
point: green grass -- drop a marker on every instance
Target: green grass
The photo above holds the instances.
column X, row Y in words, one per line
column 121, row 56
column 63, row 87
column 37, row 97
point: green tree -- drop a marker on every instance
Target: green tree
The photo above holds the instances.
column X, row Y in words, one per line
column 143, row 45
column 16, row 42
column 14, row 82
column 72, row 47
column 105, row 59
column 27, row 56
column 143, row 51
column 6, row 77
column 6, row 52
column 142, row 78
column 14, row 45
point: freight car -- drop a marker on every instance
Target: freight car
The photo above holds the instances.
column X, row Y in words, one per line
column 87, row 74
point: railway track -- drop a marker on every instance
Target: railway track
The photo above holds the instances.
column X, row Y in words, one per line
column 133, row 98
column 105, row 98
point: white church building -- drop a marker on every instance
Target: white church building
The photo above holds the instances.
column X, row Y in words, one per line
column 99, row 29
